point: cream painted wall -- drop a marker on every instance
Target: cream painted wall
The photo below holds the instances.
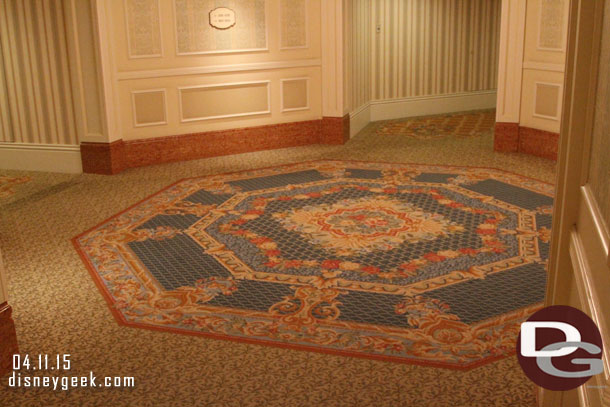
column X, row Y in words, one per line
column 532, row 63
column 165, row 55
column 544, row 56
column 83, row 75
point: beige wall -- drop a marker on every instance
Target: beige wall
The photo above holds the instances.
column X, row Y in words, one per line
column 532, row 63
column 599, row 168
column 168, row 51
column 543, row 64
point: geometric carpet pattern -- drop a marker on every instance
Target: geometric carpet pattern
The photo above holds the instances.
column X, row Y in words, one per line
column 467, row 124
column 423, row 264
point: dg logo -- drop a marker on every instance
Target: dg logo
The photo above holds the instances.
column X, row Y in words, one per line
column 560, row 348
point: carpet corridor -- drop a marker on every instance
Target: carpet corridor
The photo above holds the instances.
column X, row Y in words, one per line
column 58, row 309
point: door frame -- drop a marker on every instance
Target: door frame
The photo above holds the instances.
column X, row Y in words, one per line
column 569, row 275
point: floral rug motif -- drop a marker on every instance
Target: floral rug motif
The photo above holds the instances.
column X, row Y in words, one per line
column 7, row 184
column 460, row 124
column 423, row 264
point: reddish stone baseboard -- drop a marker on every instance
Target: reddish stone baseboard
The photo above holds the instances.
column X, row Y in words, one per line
column 335, row 130
column 101, row 158
column 538, row 142
column 510, row 137
column 8, row 339
column 506, row 137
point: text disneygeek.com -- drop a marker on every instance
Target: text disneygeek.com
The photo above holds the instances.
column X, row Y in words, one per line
column 25, row 365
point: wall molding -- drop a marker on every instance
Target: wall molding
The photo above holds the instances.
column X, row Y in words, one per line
column 294, row 109
column 212, row 69
column 544, row 66
column 428, row 105
column 131, row 55
column 267, row 83
column 306, row 24
column 564, row 29
column 559, row 87
column 224, row 51
column 41, row 157
column 134, row 107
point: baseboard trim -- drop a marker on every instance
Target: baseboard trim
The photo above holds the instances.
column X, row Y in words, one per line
column 510, row 137
column 40, row 157
column 430, row 105
column 390, row 109
column 113, row 158
column 359, row 119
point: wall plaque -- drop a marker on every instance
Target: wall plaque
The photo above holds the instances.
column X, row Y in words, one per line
column 222, row 18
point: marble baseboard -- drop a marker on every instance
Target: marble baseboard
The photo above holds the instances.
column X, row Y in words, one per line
column 103, row 158
column 538, row 142
column 335, row 130
column 112, row 158
column 506, row 137
column 510, row 137
column 8, row 335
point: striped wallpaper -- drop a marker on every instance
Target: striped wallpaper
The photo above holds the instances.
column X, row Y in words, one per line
column 36, row 101
column 407, row 48
column 359, row 15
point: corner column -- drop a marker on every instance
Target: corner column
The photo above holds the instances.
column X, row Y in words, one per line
column 510, row 72
column 102, row 148
column 335, row 121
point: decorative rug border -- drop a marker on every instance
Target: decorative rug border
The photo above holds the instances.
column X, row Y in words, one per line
column 395, row 359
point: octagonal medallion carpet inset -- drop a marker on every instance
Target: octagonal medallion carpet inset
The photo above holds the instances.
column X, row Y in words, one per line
column 423, row 264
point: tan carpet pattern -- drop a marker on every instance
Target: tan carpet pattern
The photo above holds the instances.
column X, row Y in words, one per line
column 459, row 124
column 58, row 309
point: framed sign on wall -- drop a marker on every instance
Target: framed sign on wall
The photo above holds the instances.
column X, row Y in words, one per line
column 222, row 18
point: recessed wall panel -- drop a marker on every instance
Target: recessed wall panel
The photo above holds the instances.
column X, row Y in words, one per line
column 293, row 16
column 547, row 100
column 149, row 107
column 552, row 25
column 195, row 34
column 295, row 94
column 143, row 28
column 224, row 101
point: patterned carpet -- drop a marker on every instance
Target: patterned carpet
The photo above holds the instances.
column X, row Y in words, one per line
column 8, row 184
column 410, row 263
column 58, row 308
column 458, row 125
